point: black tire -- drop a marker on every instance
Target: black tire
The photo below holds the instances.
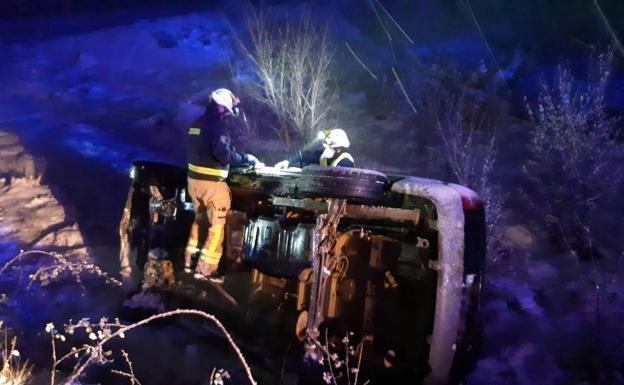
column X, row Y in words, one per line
column 139, row 229
column 342, row 182
column 163, row 175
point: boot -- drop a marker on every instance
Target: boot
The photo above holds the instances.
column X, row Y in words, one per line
column 204, row 270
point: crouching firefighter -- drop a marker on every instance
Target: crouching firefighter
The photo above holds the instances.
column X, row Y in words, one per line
column 330, row 148
column 210, row 155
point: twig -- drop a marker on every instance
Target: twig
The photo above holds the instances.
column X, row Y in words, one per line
column 284, row 363
column 212, row 376
column 360, row 61
column 346, row 345
column 357, row 374
column 66, row 356
column 54, row 362
column 133, row 379
column 12, row 371
column 61, row 264
column 25, row 254
column 329, row 359
column 396, row 75
column 78, row 372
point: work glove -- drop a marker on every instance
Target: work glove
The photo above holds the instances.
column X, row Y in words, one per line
column 255, row 162
column 328, row 153
column 251, row 159
column 282, row 165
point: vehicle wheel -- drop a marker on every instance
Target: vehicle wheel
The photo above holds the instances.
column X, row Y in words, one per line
column 133, row 232
column 342, row 182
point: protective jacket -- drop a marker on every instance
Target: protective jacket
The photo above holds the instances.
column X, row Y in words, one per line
column 210, row 152
column 341, row 158
column 311, row 154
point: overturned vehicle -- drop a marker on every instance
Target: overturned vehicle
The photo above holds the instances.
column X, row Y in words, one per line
column 396, row 262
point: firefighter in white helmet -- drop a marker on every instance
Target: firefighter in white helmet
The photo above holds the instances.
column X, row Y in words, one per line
column 210, row 154
column 330, row 148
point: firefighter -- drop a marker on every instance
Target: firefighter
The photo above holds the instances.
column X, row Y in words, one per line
column 210, row 155
column 328, row 149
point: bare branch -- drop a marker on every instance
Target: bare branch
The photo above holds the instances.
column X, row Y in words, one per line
column 95, row 353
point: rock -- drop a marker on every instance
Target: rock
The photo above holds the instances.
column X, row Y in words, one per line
column 29, row 213
column 15, row 162
column 28, row 210
column 519, row 236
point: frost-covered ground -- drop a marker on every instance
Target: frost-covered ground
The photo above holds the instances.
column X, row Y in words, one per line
column 89, row 101
column 89, row 104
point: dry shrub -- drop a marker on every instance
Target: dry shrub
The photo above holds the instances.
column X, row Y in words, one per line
column 469, row 148
column 13, row 371
column 97, row 352
column 51, row 267
column 291, row 63
column 573, row 168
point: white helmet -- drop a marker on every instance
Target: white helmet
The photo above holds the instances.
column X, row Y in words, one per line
column 335, row 138
column 225, row 98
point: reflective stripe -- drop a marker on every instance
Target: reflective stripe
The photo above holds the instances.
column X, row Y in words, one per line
column 216, row 238
column 340, row 158
column 192, row 242
column 208, row 171
column 210, row 253
column 212, row 258
column 194, row 131
column 192, row 249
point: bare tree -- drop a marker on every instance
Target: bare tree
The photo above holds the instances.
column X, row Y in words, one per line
column 573, row 168
column 469, row 144
column 292, row 63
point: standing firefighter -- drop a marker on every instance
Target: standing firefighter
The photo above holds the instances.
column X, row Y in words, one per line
column 328, row 149
column 210, row 154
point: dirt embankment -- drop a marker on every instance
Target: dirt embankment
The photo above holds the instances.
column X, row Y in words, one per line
column 30, row 215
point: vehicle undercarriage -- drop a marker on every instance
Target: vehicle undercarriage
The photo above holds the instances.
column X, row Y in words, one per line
column 394, row 263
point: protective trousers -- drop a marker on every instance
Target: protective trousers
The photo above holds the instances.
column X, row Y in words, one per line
column 212, row 201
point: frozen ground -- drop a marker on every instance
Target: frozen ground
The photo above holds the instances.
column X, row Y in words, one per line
column 91, row 100
column 89, row 104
